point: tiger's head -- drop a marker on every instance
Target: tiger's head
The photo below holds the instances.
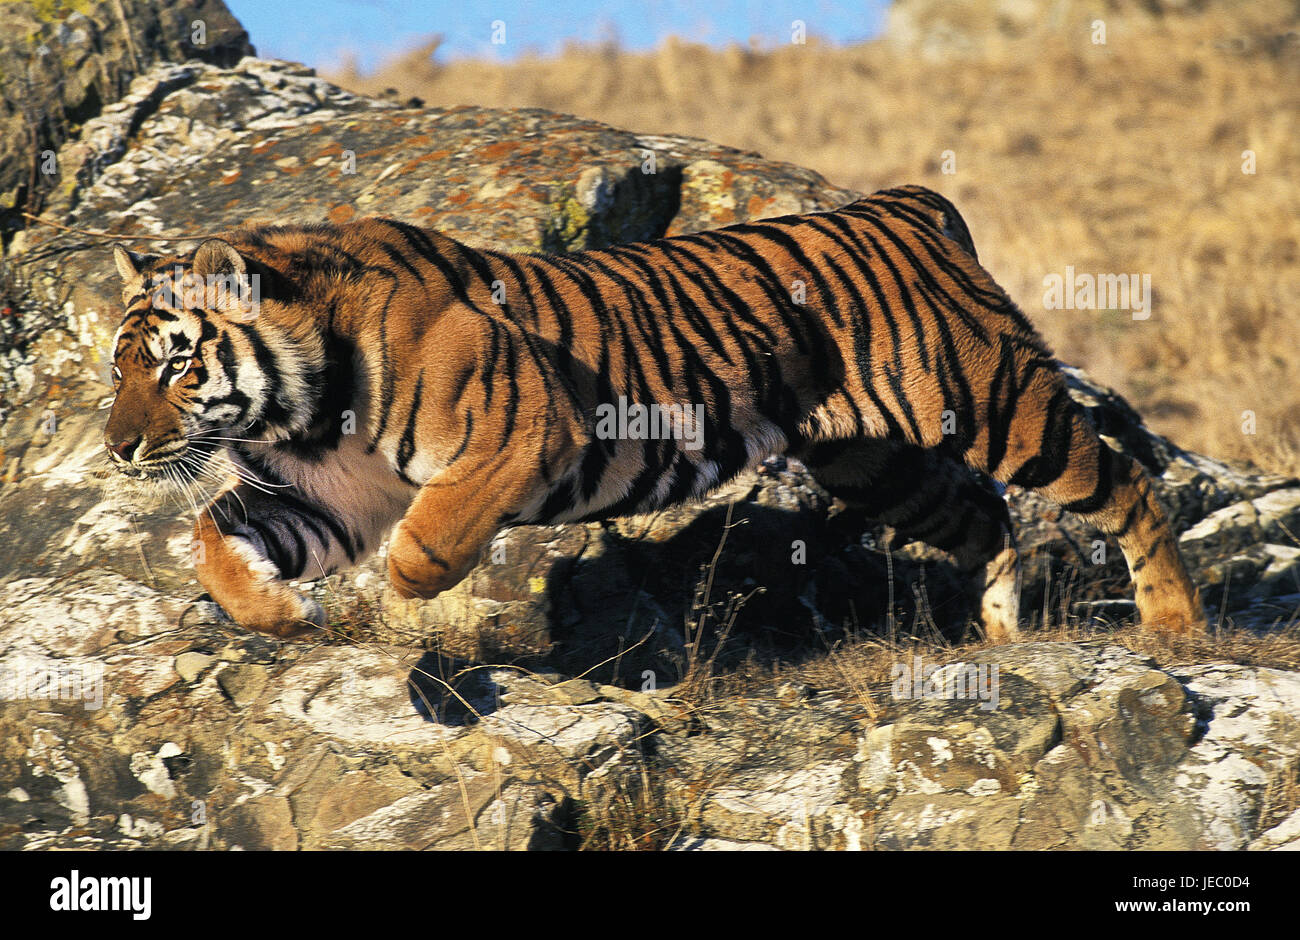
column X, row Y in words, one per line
column 203, row 358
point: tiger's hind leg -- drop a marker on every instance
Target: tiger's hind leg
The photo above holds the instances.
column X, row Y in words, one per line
column 1051, row 447
column 927, row 496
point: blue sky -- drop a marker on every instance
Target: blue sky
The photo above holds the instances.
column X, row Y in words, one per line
column 317, row 32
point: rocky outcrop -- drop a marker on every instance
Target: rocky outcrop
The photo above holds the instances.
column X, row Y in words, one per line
column 62, row 62
column 141, row 733
column 132, row 716
column 1077, row 746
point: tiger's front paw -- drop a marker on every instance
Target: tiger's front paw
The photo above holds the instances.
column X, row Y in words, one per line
column 415, row 570
column 275, row 610
column 247, row 586
column 308, row 618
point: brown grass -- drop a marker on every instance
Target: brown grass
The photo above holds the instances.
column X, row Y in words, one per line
column 635, row 813
column 862, row 667
column 1116, row 158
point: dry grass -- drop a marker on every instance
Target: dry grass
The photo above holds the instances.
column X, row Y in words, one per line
column 863, row 667
column 650, row 811
column 1122, row 158
column 635, row 813
column 1281, row 800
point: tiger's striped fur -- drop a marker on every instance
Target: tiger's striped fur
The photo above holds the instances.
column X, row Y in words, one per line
column 475, row 379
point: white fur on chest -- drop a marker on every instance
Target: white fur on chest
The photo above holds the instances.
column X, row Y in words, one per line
column 360, row 489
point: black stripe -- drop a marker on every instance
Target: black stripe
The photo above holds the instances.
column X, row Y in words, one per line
column 406, row 446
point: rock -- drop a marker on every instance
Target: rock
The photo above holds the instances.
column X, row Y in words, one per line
column 189, row 666
column 242, row 683
column 566, row 743
column 695, row 844
column 464, row 814
column 1087, row 748
column 60, row 63
column 1284, row 836
column 663, row 712
column 1250, row 743
column 318, row 753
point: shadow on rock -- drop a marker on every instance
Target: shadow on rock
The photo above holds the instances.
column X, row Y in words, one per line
column 451, row 691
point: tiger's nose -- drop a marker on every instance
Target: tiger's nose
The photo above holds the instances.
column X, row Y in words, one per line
column 124, row 450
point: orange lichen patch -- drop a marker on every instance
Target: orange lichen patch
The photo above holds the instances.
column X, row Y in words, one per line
column 316, row 129
column 340, row 214
column 458, row 199
column 757, row 205
column 411, row 164
column 229, row 176
column 377, row 152
column 332, row 149
column 230, row 204
column 433, row 155
column 262, row 146
column 419, row 140
column 498, row 150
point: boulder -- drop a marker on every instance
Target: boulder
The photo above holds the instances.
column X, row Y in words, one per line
column 62, row 62
column 1088, row 747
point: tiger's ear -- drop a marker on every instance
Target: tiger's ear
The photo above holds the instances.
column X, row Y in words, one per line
column 223, row 273
column 129, row 265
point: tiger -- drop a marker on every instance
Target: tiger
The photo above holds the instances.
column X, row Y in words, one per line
column 347, row 383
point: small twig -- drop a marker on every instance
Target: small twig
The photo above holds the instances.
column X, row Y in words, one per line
column 130, row 40
column 115, row 236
